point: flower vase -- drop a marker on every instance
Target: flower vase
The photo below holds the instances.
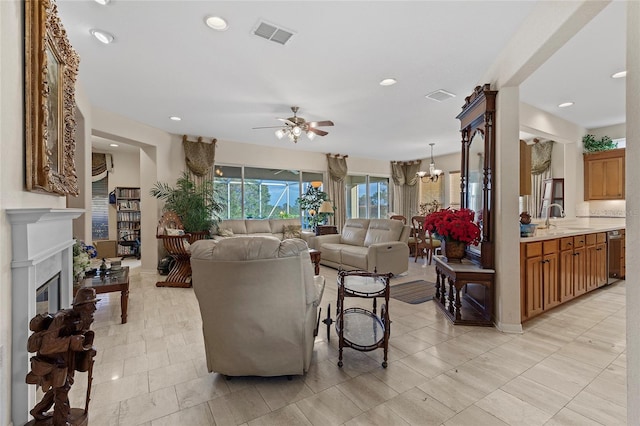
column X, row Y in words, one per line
column 454, row 251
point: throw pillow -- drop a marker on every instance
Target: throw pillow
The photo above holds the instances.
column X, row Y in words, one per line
column 292, row 231
column 174, row 232
column 225, row 232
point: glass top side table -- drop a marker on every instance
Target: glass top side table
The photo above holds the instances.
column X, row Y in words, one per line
column 362, row 329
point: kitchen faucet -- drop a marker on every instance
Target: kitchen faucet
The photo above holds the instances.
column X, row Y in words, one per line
column 546, row 221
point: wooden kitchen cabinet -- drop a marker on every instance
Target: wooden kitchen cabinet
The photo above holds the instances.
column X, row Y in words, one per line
column 573, row 261
column 596, row 247
column 539, row 277
column 579, row 265
column 604, row 175
column 555, row 271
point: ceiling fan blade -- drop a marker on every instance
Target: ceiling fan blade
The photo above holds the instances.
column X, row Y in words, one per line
column 287, row 121
column 320, row 123
column 267, row 127
column 317, row 131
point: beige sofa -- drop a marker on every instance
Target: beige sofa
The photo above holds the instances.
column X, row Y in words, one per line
column 259, row 227
column 258, row 299
column 367, row 244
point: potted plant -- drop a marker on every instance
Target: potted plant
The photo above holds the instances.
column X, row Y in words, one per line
column 195, row 204
column 591, row 144
column 456, row 229
column 311, row 202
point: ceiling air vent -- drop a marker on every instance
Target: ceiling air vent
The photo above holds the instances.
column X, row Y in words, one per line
column 440, row 95
column 273, row 33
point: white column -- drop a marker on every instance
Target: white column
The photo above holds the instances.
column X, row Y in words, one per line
column 633, row 212
column 149, row 210
column 505, row 213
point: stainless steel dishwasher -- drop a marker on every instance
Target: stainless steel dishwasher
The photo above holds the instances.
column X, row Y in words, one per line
column 614, row 255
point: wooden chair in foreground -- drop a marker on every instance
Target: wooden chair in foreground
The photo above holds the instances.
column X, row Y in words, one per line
column 176, row 243
column 422, row 240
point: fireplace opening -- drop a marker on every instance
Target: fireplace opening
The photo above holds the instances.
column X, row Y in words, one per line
column 48, row 296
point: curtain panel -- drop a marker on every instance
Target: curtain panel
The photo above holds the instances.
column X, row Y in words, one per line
column 540, row 170
column 337, row 167
column 101, row 165
column 405, row 189
column 199, row 157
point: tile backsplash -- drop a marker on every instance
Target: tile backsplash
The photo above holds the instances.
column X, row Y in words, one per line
column 612, row 208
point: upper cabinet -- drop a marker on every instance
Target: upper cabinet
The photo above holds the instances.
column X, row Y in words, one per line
column 604, row 175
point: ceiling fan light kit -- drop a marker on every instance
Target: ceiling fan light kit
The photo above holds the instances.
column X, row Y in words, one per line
column 295, row 126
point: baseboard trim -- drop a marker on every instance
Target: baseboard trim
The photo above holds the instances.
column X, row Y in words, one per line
column 509, row 328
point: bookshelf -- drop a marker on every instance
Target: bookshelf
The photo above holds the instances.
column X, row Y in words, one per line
column 128, row 219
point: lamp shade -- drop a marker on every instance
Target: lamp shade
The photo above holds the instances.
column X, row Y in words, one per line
column 316, row 183
column 326, row 207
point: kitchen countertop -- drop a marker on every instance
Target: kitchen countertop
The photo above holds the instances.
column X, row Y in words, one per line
column 570, row 227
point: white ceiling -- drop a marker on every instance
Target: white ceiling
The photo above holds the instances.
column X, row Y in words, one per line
column 165, row 62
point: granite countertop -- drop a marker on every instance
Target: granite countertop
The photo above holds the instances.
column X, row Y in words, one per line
column 570, row 227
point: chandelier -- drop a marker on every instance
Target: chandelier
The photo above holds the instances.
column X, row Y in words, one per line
column 434, row 173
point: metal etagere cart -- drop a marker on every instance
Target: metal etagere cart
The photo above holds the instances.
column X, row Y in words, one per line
column 358, row 328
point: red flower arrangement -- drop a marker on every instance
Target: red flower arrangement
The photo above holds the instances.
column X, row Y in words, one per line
column 454, row 225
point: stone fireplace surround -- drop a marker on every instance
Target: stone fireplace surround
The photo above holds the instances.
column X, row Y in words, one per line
column 42, row 246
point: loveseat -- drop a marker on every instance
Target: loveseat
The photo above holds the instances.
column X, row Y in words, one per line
column 258, row 299
column 279, row 228
column 367, row 244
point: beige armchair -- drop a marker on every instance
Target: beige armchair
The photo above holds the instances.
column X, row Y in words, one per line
column 258, row 299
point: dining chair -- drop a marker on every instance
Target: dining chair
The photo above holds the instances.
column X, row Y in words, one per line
column 423, row 241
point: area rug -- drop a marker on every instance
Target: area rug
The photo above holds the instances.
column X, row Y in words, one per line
column 414, row 292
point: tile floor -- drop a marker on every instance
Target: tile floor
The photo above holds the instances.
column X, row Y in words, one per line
column 568, row 368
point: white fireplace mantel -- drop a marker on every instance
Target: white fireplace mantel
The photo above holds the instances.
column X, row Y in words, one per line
column 42, row 245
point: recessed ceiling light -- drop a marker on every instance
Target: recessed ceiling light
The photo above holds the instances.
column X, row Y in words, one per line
column 102, row 36
column 103, row 2
column 113, row 144
column 565, row 104
column 388, row 82
column 174, row 118
column 217, row 23
column 619, row 74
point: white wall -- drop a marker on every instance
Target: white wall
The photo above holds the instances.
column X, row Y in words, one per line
column 12, row 172
column 233, row 153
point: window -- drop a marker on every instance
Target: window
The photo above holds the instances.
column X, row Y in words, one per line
column 367, row 196
column 100, row 209
column 271, row 193
column 454, row 190
column 228, row 185
column 259, row 193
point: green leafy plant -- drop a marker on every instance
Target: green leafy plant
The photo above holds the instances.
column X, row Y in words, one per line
column 195, row 204
column 591, row 144
column 311, row 202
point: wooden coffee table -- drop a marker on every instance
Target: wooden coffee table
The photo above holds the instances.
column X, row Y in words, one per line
column 109, row 282
column 315, row 258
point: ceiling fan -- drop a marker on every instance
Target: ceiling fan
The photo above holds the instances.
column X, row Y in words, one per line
column 295, row 126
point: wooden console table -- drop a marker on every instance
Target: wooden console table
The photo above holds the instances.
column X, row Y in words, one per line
column 475, row 305
column 326, row 230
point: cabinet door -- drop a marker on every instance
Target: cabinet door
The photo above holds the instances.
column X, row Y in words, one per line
column 533, row 302
column 579, row 271
column 604, row 175
column 566, row 275
column 551, row 286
